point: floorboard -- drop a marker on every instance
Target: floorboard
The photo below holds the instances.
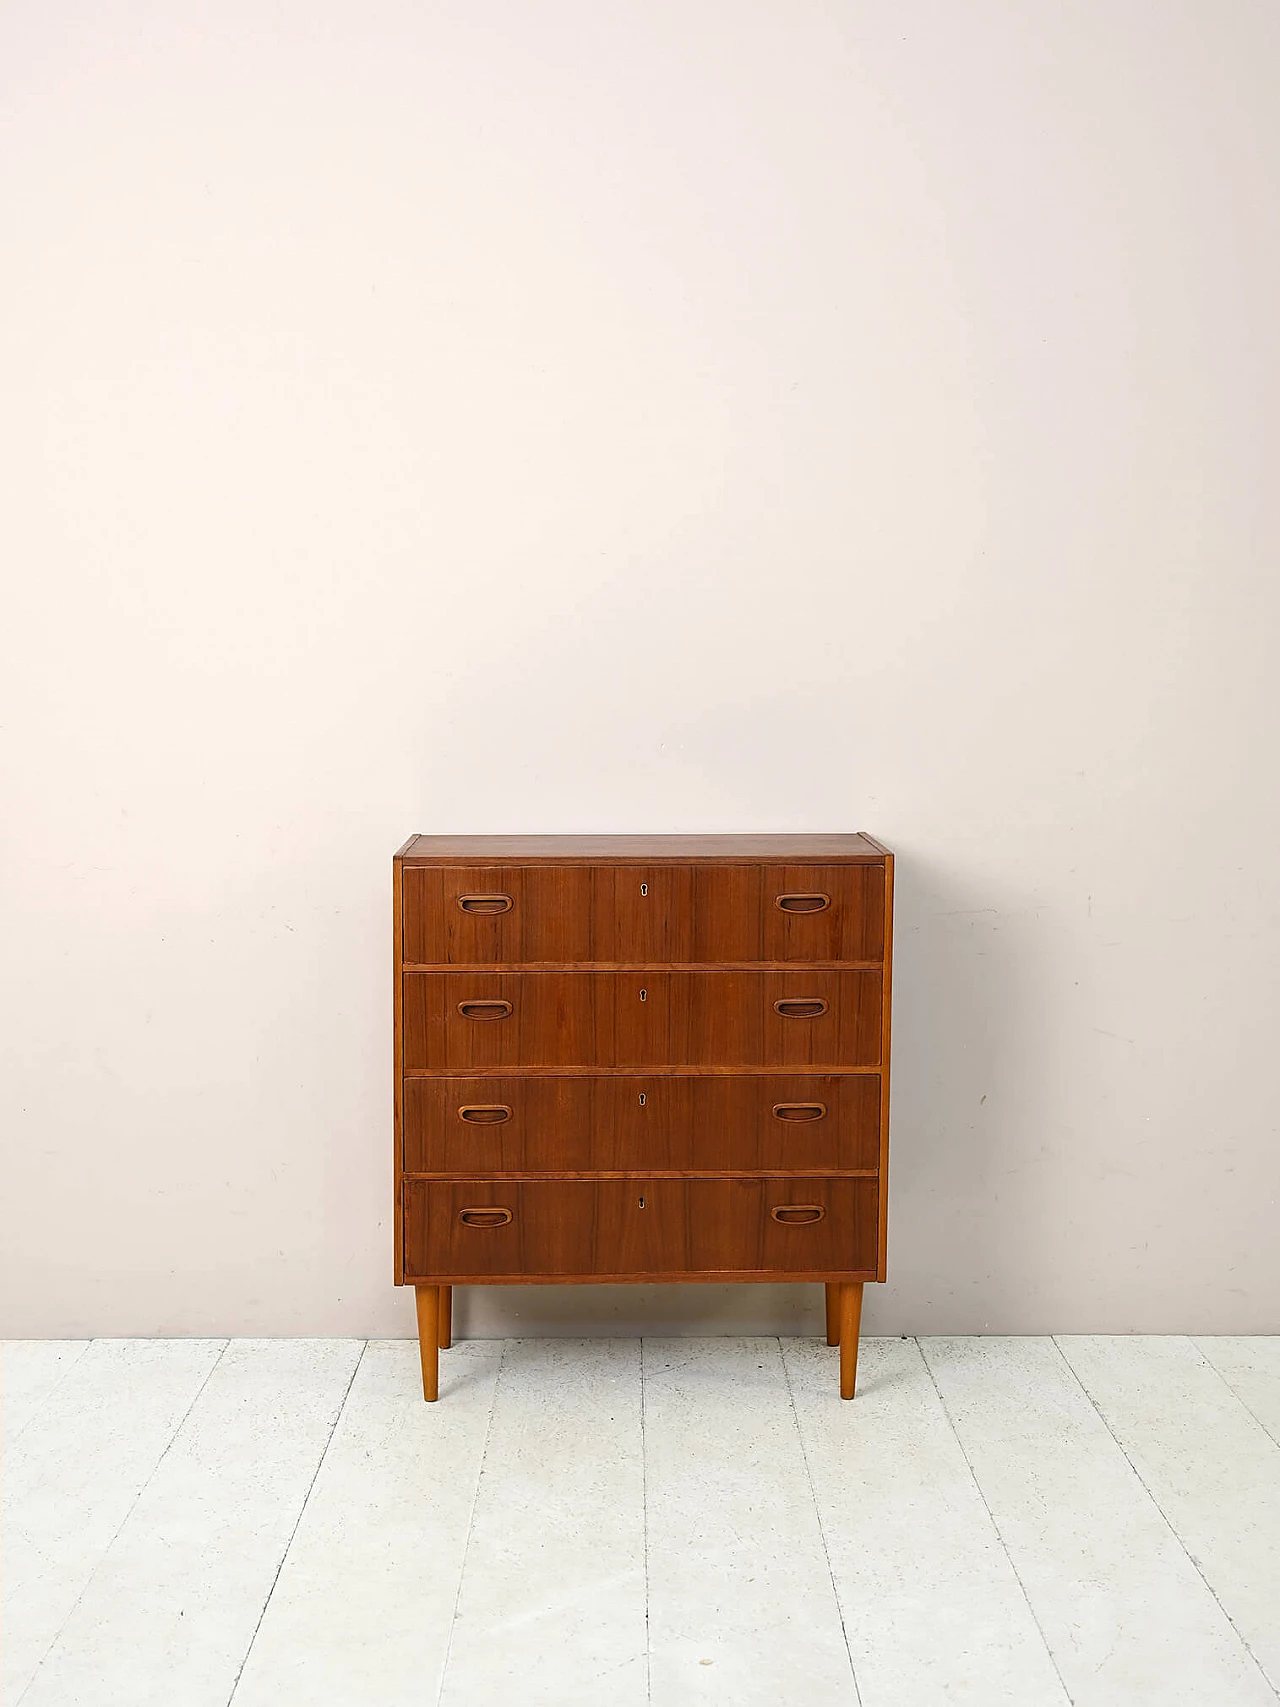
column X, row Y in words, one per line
column 934, row 1612
column 30, row 1371
column 1127, row 1617
column 170, row 1612
column 1251, row 1368
column 1208, row 1464
column 551, row 1610
column 743, row 1611
column 361, row 1612
column 666, row 1523
column 73, row 1476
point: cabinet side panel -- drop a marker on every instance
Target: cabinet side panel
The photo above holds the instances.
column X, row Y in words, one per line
column 397, row 923
column 886, row 1017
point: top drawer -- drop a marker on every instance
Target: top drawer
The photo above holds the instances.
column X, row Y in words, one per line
column 622, row 915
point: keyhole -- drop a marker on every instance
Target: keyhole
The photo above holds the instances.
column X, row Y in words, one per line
column 644, row 888
column 642, row 1099
column 644, row 995
column 642, row 1203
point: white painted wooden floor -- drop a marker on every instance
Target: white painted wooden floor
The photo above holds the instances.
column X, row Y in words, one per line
column 1026, row 1522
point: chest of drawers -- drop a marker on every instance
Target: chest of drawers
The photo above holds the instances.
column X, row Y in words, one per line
column 625, row 1059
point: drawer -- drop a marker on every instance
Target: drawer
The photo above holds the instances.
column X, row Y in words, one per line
column 598, row 1124
column 458, row 1021
column 641, row 915
column 478, row 1230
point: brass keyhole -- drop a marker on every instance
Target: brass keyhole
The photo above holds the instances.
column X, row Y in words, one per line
column 644, row 888
column 642, row 1099
column 642, row 1203
column 644, row 995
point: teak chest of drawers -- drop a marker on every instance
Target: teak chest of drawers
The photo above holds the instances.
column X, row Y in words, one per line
column 641, row 1058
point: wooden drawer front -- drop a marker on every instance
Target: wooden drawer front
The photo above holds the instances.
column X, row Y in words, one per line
column 513, row 915
column 714, row 1124
column 597, row 1229
column 789, row 912
column 456, row 1021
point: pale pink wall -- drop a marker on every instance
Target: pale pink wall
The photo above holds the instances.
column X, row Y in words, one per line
column 700, row 415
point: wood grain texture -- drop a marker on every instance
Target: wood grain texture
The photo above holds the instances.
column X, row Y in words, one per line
column 735, row 849
column 602, row 1124
column 641, row 915
column 397, row 914
column 886, row 1019
column 638, row 1229
column 850, row 1327
column 642, row 1058
column 833, row 1313
column 428, row 1306
column 640, row 1019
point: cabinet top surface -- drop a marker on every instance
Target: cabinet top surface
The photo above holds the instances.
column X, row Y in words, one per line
column 524, row 850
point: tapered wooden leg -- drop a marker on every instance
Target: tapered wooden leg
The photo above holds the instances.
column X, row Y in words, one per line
column 833, row 1313
column 428, row 1339
column 446, row 1317
column 850, row 1322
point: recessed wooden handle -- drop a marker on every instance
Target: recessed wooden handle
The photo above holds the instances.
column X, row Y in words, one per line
column 484, row 1010
column 493, row 1217
column 799, row 1110
column 801, row 1007
column 803, row 903
column 485, row 1113
column 797, row 1214
column 485, row 903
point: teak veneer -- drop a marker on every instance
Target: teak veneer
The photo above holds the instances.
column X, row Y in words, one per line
column 641, row 1058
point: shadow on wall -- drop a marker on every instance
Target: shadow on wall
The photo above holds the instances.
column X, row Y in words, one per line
column 967, row 1094
column 484, row 1312
column 967, row 1216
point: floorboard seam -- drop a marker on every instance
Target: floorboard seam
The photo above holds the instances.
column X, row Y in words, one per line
column 999, row 1535
column 822, row 1534
column 1165, row 1519
column 644, row 1518
column 471, row 1524
column 133, row 1505
column 39, row 1410
column 306, row 1500
column 1234, row 1394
